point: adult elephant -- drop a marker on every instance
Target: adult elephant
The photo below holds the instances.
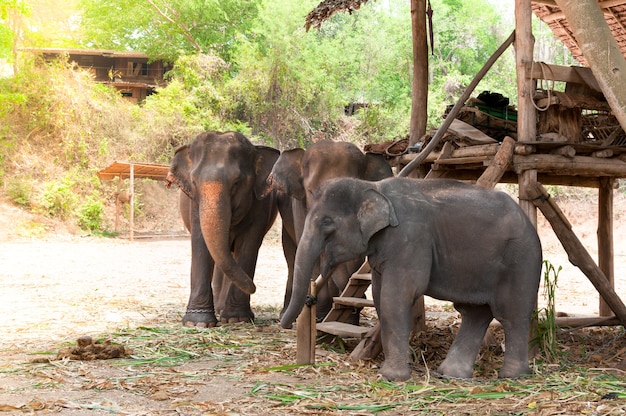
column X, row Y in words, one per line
column 222, row 177
column 441, row 238
column 299, row 174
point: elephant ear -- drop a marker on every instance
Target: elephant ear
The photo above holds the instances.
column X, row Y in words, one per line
column 180, row 169
column 375, row 213
column 266, row 157
column 376, row 167
column 286, row 174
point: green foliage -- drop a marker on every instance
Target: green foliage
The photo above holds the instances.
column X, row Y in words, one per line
column 547, row 329
column 20, row 190
column 57, row 198
column 90, row 214
column 165, row 29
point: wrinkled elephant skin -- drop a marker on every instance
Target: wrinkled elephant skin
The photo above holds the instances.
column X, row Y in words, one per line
column 298, row 174
column 222, row 177
column 442, row 238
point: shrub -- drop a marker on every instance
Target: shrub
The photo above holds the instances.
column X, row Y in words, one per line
column 20, row 190
column 90, row 215
column 58, row 199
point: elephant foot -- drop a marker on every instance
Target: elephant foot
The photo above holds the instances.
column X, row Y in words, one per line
column 395, row 373
column 236, row 316
column 199, row 318
column 449, row 370
column 235, row 320
column 522, row 371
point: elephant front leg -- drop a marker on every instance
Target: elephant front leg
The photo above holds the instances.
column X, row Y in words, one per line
column 200, row 308
column 395, row 311
column 237, row 303
column 460, row 359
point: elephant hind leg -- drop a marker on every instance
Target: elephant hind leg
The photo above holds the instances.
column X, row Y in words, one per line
column 475, row 320
column 516, row 353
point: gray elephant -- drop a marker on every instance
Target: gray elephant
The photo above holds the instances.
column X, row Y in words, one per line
column 442, row 238
column 299, row 173
column 222, row 177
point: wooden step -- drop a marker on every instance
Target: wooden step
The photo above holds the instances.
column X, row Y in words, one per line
column 343, row 330
column 366, row 277
column 353, row 302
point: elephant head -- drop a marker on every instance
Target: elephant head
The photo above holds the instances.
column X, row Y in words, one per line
column 329, row 234
column 299, row 173
column 221, row 173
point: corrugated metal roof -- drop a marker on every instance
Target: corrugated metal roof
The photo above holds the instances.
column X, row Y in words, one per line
column 140, row 170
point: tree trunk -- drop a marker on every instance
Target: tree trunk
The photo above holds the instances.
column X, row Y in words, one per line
column 601, row 51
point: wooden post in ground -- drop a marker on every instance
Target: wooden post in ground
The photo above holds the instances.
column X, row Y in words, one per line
column 605, row 237
column 131, row 201
column 118, row 205
column 306, row 331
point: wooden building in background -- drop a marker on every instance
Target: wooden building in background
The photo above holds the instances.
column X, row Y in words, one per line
column 131, row 73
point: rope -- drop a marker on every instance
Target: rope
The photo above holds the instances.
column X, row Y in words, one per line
column 543, row 66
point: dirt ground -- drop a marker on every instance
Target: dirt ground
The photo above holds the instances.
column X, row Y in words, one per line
column 57, row 286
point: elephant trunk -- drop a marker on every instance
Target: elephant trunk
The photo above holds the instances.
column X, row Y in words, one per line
column 307, row 255
column 215, row 216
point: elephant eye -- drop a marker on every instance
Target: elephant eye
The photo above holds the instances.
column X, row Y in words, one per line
column 327, row 224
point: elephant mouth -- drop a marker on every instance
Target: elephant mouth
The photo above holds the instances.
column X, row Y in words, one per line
column 171, row 179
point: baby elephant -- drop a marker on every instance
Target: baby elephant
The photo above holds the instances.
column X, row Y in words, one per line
column 442, row 238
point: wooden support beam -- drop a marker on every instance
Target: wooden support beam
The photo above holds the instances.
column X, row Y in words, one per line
column 499, row 165
column 370, row 347
column 605, row 237
column 576, row 252
column 579, row 165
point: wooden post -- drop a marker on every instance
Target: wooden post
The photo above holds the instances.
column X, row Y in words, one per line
column 118, row 205
column 576, row 252
column 306, row 331
column 419, row 87
column 526, row 116
column 605, row 236
column 131, row 201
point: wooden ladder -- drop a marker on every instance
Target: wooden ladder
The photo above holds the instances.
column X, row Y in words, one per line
column 336, row 321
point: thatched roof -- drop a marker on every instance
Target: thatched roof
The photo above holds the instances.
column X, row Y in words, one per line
column 546, row 10
column 614, row 13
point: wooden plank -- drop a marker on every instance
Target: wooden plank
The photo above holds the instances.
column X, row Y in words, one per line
column 370, row 346
column 462, row 160
column 353, row 302
column 580, row 322
column 342, row 329
column 556, row 73
column 466, row 131
column 576, row 252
